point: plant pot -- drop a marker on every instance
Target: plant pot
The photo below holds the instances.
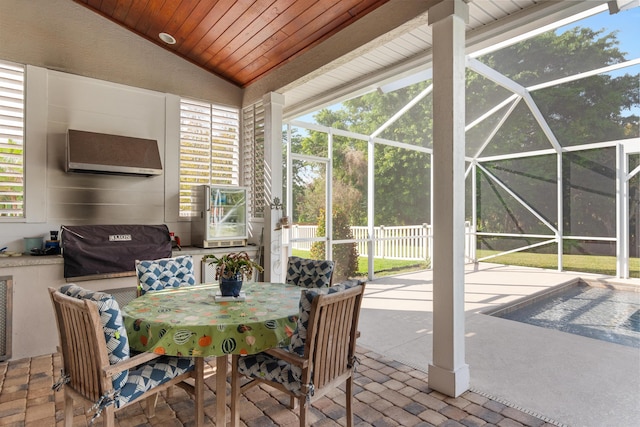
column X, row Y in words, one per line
column 230, row 287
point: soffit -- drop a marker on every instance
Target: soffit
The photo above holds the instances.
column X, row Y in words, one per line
column 409, row 52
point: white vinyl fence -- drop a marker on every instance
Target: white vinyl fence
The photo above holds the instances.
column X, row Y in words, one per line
column 409, row 242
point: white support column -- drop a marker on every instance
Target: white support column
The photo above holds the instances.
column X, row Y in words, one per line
column 273, row 106
column 448, row 373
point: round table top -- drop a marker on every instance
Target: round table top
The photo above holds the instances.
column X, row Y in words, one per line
column 188, row 321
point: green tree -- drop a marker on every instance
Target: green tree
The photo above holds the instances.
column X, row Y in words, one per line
column 345, row 255
column 12, row 179
column 349, row 173
column 584, row 111
column 588, row 110
column 402, row 176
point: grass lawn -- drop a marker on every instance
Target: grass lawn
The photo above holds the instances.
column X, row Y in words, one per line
column 584, row 263
column 381, row 267
column 384, row 267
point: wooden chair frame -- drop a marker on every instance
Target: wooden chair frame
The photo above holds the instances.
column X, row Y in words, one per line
column 329, row 354
column 86, row 362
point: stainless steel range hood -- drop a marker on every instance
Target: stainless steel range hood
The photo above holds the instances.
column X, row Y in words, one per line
column 92, row 152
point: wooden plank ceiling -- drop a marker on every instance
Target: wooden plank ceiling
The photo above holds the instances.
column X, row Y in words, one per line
column 238, row 40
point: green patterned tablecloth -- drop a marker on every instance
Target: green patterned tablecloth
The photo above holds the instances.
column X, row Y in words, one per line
column 187, row 321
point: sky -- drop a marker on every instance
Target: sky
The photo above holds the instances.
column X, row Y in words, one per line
column 627, row 22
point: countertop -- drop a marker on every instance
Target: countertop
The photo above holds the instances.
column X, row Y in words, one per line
column 27, row 260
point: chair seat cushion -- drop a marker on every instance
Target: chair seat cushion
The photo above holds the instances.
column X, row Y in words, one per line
column 165, row 273
column 267, row 367
column 115, row 333
column 152, row 374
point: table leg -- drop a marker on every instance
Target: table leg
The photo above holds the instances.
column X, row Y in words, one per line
column 221, row 390
column 199, row 390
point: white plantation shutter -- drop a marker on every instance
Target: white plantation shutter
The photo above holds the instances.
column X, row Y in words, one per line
column 209, row 148
column 253, row 157
column 11, row 140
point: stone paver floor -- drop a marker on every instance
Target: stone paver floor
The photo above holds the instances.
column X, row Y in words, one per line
column 387, row 393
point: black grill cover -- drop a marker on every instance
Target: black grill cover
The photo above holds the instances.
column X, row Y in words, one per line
column 90, row 250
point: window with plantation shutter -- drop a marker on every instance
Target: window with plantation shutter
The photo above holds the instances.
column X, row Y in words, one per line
column 253, row 157
column 11, row 140
column 209, row 148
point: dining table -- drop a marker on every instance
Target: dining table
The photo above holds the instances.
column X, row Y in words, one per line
column 193, row 321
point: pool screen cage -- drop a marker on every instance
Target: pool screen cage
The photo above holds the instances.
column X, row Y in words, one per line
column 552, row 151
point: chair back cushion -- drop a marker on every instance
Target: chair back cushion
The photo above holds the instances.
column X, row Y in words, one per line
column 299, row 336
column 115, row 334
column 155, row 275
column 309, row 273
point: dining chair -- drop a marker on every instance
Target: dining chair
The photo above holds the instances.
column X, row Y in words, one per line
column 158, row 274
column 309, row 273
column 97, row 367
column 320, row 357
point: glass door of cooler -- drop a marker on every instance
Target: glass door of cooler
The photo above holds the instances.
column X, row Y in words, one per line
column 227, row 213
column 223, row 217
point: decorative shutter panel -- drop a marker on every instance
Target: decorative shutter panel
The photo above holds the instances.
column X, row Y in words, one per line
column 253, row 157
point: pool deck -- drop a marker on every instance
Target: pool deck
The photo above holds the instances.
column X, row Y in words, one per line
column 569, row 379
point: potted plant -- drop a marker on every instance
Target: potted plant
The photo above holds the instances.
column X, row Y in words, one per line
column 231, row 268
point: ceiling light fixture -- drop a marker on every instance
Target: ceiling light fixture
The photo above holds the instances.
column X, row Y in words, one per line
column 167, row 38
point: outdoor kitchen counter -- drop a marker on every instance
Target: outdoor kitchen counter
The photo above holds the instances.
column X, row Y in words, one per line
column 29, row 260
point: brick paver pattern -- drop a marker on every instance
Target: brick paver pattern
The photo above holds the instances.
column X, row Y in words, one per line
column 387, row 393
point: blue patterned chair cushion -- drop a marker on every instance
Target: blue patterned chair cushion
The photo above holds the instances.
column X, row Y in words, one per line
column 309, row 273
column 306, row 298
column 152, row 374
column 267, row 367
column 114, row 332
column 155, row 275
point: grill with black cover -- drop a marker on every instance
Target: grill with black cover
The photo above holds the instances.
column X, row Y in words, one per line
column 111, row 250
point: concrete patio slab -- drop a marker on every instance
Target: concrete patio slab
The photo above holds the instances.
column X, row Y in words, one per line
column 569, row 379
